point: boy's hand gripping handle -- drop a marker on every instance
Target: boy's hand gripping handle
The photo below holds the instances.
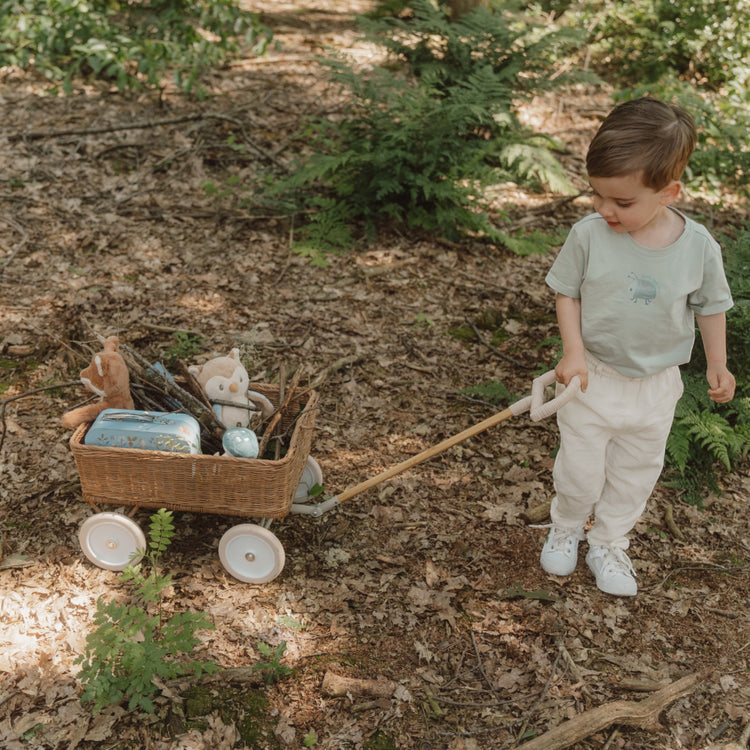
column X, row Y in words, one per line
column 535, row 403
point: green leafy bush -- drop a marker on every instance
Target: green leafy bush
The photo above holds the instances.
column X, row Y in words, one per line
column 421, row 139
column 135, row 643
column 696, row 54
column 706, row 435
column 721, row 160
column 705, row 43
column 132, row 44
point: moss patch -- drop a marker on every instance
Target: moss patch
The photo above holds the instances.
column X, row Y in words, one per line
column 246, row 709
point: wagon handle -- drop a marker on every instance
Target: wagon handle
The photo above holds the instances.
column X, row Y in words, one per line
column 535, row 403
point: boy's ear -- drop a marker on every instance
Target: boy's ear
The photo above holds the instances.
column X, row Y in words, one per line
column 670, row 193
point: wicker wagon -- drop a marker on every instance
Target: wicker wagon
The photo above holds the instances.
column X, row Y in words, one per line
column 255, row 488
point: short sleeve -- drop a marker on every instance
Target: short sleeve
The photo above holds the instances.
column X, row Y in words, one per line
column 714, row 295
column 569, row 269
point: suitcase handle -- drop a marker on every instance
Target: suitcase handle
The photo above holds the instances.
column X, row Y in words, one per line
column 121, row 416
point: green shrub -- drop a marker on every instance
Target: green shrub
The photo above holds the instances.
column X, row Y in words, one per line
column 697, row 54
column 131, row 44
column 134, row 644
column 421, row 140
column 705, row 42
column 706, row 436
column 721, row 161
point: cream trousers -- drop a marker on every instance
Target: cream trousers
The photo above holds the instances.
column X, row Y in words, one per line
column 612, row 442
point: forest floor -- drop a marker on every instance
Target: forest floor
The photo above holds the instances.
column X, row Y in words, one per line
column 429, row 583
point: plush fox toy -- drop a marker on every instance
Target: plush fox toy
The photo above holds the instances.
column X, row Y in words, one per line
column 107, row 376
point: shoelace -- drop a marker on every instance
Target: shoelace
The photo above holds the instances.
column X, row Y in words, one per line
column 616, row 561
column 561, row 535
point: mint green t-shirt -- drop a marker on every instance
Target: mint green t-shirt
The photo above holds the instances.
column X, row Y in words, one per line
column 637, row 303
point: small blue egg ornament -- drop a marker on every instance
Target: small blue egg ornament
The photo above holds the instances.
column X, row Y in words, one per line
column 240, row 442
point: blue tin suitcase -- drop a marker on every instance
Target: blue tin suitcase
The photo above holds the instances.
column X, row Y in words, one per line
column 146, row 430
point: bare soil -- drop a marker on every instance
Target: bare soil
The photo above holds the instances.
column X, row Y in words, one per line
column 428, row 583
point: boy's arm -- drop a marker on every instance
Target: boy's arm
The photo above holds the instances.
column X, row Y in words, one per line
column 713, row 332
column 573, row 361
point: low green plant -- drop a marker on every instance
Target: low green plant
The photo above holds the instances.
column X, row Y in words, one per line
column 185, row 345
column 272, row 669
column 136, row 643
column 131, row 44
column 492, row 392
column 707, row 437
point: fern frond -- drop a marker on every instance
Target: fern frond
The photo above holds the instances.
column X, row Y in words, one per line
column 714, row 434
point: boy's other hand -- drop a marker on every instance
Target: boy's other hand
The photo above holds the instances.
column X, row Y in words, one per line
column 721, row 382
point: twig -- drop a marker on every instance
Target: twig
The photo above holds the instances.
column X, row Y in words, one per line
column 169, row 329
column 338, row 686
column 671, row 525
column 6, row 401
column 494, row 349
column 541, row 695
column 642, row 714
column 698, row 568
column 204, row 414
column 282, row 398
column 278, row 414
column 339, row 364
column 24, row 240
column 572, row 666
column 146, row 124
column 480, row 664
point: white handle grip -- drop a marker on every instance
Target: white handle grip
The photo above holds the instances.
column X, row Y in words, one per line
column 541, row 409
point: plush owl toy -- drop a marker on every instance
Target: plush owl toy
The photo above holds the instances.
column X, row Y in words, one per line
column 225, row 382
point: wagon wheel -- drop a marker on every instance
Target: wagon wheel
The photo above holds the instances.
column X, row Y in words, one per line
column 112, row 541
column 251, row 553
column 311, row 476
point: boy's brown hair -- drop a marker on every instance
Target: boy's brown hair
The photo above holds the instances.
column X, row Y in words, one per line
column 643, row 135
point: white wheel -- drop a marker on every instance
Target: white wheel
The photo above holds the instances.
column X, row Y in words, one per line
column 251, row 553
column 311, row 476
column 112, row 541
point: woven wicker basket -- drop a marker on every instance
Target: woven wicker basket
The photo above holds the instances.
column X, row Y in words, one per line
column 200, row 483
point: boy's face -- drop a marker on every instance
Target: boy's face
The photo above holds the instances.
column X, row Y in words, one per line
column 627, row 205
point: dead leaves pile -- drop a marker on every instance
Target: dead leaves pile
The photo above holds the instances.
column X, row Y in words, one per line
column 429, row 582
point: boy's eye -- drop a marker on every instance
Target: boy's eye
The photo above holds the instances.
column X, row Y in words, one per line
column 624, row 205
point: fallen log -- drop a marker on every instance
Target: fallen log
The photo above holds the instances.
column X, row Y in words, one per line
column 642, row 714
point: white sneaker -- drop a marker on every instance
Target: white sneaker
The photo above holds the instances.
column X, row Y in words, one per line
column 613, row 570
column 560, row 552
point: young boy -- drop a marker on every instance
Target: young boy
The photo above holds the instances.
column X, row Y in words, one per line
column 629, row 280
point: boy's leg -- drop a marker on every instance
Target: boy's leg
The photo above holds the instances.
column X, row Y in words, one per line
column 579, row 469
column 579, row 477
column 635, row 458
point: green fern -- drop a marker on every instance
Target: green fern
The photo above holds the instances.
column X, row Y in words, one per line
column 136, row 644
column 706, row 435
column 419, row 144
column 492, row 392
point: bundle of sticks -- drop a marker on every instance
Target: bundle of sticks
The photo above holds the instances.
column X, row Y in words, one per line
column 154, row 389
